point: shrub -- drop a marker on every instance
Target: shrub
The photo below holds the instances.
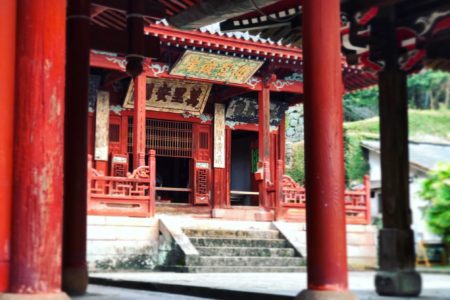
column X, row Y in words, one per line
column 436, row 190
column 297, row 172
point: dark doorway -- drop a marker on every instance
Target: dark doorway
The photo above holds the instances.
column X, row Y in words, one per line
column 172, row 173
column 244, row 147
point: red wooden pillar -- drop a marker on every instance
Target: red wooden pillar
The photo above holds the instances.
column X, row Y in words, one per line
column 264, row 144
column 282, row 142
column 152, row 166
column 324, row 152
column 139, row 121
column 7, row 68
column 75, row 276
column 38, row 149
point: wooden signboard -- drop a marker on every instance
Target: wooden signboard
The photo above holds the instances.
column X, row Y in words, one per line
column 172, row 95
column 215, row 67
column 219, row 135
column 102, row 126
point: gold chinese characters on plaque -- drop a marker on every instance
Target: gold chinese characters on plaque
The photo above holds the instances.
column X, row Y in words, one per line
column 172, row 95
column 215, row 67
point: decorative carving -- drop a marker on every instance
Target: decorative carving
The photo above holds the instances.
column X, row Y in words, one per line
column 140, row 172
column 122, row 63
column 429, row 21
column 293, row 193
column 279, row 84
column 158, row 69
column 245, row 110
column 253, row 81
column 294, row 77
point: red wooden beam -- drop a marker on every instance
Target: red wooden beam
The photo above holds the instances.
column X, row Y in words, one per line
column 7, row 71
column 161, row 70
column 229, row 93
column 223, row 42
column 38, row 149
column 153, row 9
column 112, row 77
column 116, row 41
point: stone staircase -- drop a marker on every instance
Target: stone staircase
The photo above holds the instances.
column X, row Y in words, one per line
column 225, row 250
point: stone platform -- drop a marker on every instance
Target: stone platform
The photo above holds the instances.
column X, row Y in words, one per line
column 259, row 286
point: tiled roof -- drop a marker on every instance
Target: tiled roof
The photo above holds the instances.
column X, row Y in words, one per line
column 425, row 156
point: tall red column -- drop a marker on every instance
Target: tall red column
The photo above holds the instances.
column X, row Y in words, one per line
column 264, row 144
column 324, row 152
column 139, row 121
column 7, row 68
column 75, row 276
column 38, row 149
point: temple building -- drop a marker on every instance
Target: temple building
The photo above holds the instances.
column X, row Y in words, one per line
column 109, row 112
column 212, row 105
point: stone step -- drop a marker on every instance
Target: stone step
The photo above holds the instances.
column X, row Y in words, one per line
column 224, row 269
column 246, row 251
column 230, row 242
column 240, row 261
column 227, row 233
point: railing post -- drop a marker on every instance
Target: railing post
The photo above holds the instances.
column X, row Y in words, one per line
column 89, row 180
column 152, row 192
column 278, row 188
column 141, row 160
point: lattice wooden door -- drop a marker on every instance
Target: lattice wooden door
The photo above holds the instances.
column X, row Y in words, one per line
column 202, row 164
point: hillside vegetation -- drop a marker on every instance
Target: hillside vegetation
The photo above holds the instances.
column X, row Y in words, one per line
column 424, row 125
column 429, row 120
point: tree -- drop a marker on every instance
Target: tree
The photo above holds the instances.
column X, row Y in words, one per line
column 436, row 190
column 427, row 88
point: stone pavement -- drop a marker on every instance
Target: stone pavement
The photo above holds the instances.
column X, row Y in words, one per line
column 265, row 285
column 97, row 292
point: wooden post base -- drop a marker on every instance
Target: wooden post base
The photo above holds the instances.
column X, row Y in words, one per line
column 325, row 295
column 53, row 296
column 75, row 281
column 398, row 283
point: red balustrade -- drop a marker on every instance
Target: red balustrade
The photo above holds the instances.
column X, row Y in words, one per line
column 132, row 196
column 357, row 202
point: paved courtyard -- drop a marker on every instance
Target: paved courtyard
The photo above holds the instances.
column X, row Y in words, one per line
column 98, row 292
column 435, row 286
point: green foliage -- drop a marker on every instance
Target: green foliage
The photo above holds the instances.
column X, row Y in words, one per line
column 436, row 189
column 429, row 88
column 297, row 172
column 355, row 164
column 421, row 122
column 361, row 105
column 426, row 90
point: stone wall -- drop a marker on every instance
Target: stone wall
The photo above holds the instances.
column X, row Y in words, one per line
column 115, row 243
column 294, row 131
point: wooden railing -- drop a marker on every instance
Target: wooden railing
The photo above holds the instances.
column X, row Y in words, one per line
column 132, row 196
column 357, row 202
